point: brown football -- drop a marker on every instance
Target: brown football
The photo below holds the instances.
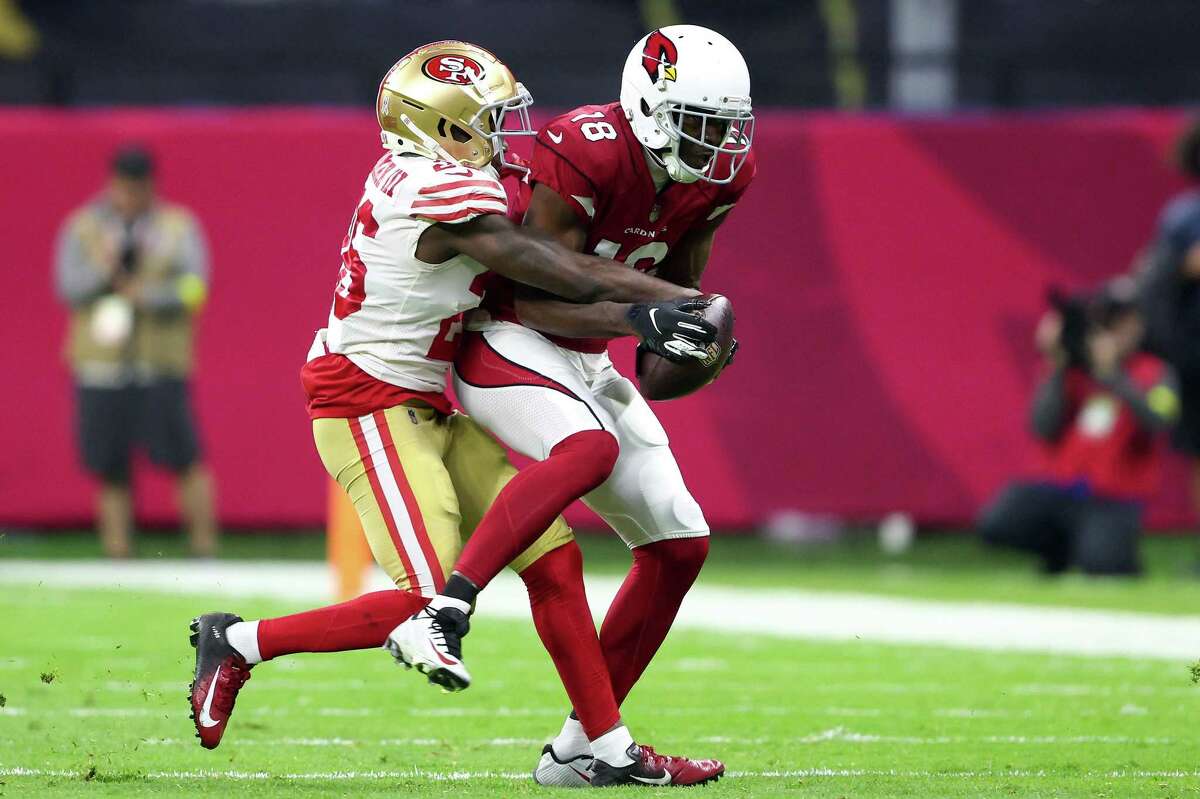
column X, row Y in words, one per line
column 660, row 379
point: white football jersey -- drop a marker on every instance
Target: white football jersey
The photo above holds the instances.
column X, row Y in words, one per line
column 397, row 318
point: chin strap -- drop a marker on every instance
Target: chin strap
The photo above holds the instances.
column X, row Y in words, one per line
column 677, row 170
column 431, row 147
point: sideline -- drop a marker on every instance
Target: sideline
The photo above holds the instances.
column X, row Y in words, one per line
column 751, row 611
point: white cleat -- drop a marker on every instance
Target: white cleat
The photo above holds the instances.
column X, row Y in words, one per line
column 431, row 642
column 574, row 772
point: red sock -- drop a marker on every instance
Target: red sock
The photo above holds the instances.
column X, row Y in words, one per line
column 361, row 623
column 564, row 623
column 644, row 609
column 531, row 501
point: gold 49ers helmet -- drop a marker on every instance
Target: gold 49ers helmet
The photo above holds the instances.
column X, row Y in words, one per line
column 452, row 100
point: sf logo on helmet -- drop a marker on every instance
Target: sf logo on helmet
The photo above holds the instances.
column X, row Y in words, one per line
column 459, row 70
column 659, row 57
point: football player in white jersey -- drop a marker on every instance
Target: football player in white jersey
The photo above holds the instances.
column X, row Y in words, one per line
column 646, row 180
column 431, row 220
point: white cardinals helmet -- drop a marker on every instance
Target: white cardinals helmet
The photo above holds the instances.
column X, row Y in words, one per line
column 685, row 83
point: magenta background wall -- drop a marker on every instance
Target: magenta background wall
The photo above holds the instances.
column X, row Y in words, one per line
column 887, row 274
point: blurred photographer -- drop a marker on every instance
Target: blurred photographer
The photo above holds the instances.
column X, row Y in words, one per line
column 1099, row 412
column 133, row 270
column 1169, row 279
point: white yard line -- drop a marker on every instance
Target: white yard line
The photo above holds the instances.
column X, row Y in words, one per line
column 501, row 743
column 460, row 776
column 835, row 735
column 778, row 612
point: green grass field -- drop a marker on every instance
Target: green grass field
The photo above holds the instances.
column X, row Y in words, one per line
column 94, row 684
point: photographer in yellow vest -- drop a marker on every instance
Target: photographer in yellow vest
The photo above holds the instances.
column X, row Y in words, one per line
column 133, row 270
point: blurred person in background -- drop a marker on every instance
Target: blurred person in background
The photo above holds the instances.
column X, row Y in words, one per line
column 1169, row 276
column 133, row 270
column 1098, row 412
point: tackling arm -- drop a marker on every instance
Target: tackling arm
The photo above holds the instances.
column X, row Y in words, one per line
column 538, row 260
column 549, row 213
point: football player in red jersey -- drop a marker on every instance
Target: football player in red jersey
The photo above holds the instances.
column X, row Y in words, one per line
column 648, row 181
column 430, row 221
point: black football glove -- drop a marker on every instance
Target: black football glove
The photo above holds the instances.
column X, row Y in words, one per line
column 671, row 329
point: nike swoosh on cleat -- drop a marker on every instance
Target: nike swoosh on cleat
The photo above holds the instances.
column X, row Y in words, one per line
column 204, row 719
column 581, row 774
column 665, row 779
column 443, row 658
column 556, row 139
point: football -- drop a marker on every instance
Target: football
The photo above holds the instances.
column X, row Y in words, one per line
column 660, row 379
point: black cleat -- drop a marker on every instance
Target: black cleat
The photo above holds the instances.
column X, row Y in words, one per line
column 220, row 674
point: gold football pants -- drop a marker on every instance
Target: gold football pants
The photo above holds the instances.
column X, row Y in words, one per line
column 420, row 483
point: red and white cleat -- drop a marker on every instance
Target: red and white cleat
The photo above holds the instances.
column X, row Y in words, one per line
column 220, row 674
column 651, row 768
column 431, row 642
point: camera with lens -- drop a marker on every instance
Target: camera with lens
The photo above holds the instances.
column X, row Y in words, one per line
column 1083, row 312
column 128, row 258
column 1076, row 311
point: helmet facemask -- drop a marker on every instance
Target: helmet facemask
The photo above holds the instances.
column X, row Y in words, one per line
column 694, row 127
column 490, row 124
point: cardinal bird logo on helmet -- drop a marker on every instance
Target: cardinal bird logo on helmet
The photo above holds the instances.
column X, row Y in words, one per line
column 659, row 57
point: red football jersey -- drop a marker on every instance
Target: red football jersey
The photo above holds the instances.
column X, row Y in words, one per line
column 591, row 158
column 1105, row 445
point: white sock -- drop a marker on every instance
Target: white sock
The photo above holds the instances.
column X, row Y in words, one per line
column 572, row 741
column 440, row 601
column 243, row 636
column 613, row 747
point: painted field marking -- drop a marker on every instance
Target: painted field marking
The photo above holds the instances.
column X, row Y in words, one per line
column 459, row 776
column 795, row 613
column 345, row 742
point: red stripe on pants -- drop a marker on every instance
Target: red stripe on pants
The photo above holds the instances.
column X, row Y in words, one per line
column 410, row 502
column 364, row 452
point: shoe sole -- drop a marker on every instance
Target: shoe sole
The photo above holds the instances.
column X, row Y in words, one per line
column 705, row 781
column 193, row 639
column 444, row 678
column 714, row 778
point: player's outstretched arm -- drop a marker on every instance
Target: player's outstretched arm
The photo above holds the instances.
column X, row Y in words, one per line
column 549, row 213
column 547, row 313
column 535, row 259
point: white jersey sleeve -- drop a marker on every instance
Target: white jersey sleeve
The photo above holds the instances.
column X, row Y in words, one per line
column 459, row 197
column 396, row 317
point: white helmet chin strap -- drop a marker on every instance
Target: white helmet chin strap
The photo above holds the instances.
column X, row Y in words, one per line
column 434, row 148
column 677, row 170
